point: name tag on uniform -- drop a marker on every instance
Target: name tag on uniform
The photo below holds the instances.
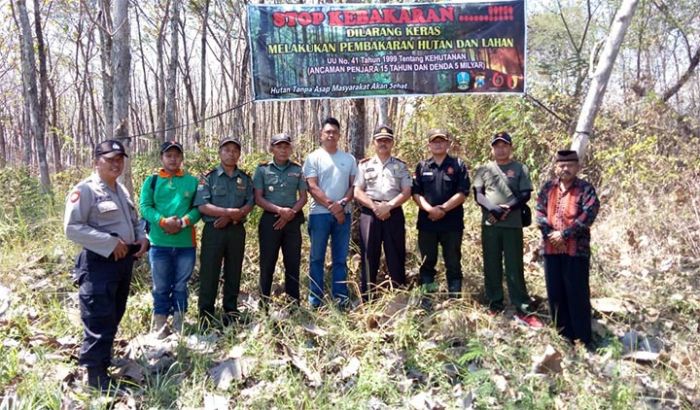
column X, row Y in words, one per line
column 294, row 174
column 107, row 206
column 429, row 173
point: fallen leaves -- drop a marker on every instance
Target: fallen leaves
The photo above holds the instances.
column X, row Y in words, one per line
column 313, row 377
column 549, row 362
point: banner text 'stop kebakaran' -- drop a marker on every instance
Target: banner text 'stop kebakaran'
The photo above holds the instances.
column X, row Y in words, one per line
column 364, row 50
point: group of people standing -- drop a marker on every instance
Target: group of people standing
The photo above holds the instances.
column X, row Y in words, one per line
column 101, row 217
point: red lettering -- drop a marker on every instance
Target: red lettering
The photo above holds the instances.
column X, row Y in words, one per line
column 376, row 17
column 304, row 18
column 404, row 17
column 418, row 16
column 292, row 18
column 447, row 14
column 278, row 19
column 362, row 17
column 389, row 17
column 334, row 18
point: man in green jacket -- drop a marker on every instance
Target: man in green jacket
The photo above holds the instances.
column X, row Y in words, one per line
column 166, row 203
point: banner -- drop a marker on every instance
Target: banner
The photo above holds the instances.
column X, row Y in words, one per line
column 350, row 51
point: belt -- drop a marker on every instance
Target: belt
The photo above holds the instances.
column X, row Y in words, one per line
column 368, row 211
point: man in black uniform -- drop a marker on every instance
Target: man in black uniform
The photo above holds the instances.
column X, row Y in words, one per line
column 100, row 216
column 440, row 186
column 383, row 184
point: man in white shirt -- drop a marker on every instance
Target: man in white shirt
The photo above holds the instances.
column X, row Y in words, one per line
column 330, row 173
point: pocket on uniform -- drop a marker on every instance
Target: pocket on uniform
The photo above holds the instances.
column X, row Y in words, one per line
column 95, row 299
column 109, row 213
column 219, row 191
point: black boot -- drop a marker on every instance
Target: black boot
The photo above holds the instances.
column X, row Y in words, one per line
column 454, row 286
column 98, row 378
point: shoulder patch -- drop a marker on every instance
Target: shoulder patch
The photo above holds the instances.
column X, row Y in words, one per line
column 74, row 197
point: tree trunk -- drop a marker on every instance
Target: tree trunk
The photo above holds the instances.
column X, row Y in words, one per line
column 106, row 64
column 145, row 74
column 694, row 61
column 36, row 116
column 170, row 103
column 187, row 80
column 160, row 80
column 596, row 92
column 3, row 149
column 383, row 111
column 53, row 131
column 121, row 69
column 357, row 129
column 203, row 73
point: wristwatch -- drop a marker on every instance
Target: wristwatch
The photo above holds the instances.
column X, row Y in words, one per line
column 343, row 202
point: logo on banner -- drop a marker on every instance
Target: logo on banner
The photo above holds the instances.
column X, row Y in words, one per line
column 463, row 80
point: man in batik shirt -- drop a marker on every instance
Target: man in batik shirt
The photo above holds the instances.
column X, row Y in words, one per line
column 566, row 209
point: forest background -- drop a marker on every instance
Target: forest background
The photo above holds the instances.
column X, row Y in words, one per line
column 64, row 86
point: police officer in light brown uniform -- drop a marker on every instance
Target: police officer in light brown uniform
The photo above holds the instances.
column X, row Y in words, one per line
column 383, row 184
column 101, row 217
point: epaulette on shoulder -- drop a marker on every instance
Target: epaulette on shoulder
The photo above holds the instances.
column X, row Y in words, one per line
column 297, row 163
column 400, row 160
column 263, row 163
column 363, row 160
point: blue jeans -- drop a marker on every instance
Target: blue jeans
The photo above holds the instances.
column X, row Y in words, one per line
column 171, row 269
column 322, row 226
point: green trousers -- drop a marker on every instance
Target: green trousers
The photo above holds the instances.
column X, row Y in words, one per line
column 504, row 246
column 220, row 245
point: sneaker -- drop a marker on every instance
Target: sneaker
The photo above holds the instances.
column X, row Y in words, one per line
column 528, row 320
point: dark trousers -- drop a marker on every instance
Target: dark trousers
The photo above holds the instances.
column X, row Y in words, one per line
column 504, row 246
column 375, row 233
column 225, row 245
column 104, row 288
column 569, row 295
column 451, row 243
column 271, row 241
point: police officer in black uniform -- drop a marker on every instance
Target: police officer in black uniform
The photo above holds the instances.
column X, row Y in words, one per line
column 440, row 186
column 383, row 184
column 100, row 216
column 280, row 190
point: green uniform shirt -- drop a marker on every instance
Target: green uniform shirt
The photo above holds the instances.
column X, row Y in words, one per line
column 171, row 196
column 498, row 193
column 279, row 183
column 219, row 189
